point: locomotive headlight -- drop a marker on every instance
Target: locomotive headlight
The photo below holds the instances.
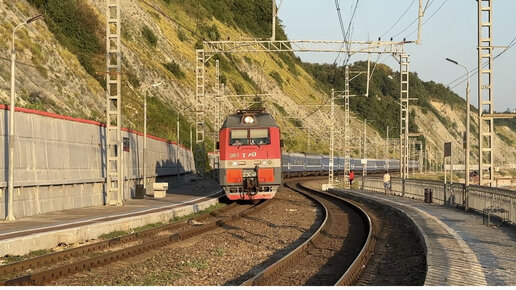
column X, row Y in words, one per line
column 248, row 119
column 235, row 163
column 264, row 162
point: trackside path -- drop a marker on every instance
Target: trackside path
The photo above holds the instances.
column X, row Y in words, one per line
column 460, row 249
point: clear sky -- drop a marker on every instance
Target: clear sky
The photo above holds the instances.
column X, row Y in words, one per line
column 451, row 32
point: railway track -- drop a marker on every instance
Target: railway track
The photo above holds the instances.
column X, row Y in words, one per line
column 41, row 270
column 255, row 249
column 334, row 255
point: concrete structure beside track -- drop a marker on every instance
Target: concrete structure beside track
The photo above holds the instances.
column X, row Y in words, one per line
column 460, row 250
column 60, row 162
column 46, row 231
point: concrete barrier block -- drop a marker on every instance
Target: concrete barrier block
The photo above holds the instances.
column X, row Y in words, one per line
column 160, row 186
column 160, row 193
column 160, row 189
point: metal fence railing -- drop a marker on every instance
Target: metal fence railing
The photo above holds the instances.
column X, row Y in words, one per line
column 496, row 202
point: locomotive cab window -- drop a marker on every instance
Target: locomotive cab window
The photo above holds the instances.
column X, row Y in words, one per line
column 238, row 138
column 259, row 136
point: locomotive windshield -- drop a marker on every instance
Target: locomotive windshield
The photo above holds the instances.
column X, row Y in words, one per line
column 241, row 137
column 259, row 136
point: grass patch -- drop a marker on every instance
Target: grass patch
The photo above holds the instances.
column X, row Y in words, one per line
column 198, row 265
column 160, row 278
column 175, row 69
column 149, row 36
column 192, row 215
column 182, row 35
column 77, row 27
column 112, row 235
column 296, row 123
column 219, row 252
column 14, row 259
column 147, row 227
column 280, row 109
column 277, row 77
column 239, row 88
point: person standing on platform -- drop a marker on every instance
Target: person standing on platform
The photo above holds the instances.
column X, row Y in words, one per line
column 387, row 182
column 351, row 177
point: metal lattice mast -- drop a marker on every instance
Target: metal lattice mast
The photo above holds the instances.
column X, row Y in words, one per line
column 364, row 154
column 217, row 105
column 485, row 89
column 199, row 113
column 387, row 148
column 421, row 157
column 404, row 115
column 332, row 136
column 347, row 155
column 113, row 108
column 309, row 138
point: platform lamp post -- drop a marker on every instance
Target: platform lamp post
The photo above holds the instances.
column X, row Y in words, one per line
column 145, row 132
column 10, row 215
column 466, row 159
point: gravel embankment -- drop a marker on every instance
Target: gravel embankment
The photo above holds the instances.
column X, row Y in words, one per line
column 226, row 256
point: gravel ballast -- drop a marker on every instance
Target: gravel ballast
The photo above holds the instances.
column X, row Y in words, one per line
column 226, row 256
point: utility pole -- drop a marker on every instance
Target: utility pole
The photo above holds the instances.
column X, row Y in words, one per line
column 420, row 20
column 332, row 136
column 347, row 151
column 466, row 137
column 365, row 139
column 273, row 38
column 177, row 149
column 10, row 201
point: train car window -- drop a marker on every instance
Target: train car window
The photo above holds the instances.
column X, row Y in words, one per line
column 238, row 138
column 259, row 136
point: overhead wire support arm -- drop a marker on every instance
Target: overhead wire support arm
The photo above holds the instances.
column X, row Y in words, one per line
column 212, row 47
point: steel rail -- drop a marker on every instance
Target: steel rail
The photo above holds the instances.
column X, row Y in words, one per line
column 45, row 276
column 269, row 273
column 351, row 275
column 52, row 258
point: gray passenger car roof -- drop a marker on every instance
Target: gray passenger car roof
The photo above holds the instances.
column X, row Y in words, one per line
column 262, row 120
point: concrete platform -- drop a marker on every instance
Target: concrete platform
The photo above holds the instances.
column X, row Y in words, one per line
column 46, row 231
column 460, row 249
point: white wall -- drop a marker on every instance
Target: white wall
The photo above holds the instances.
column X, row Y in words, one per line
column 59, row 162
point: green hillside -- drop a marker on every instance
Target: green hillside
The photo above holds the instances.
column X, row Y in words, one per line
column 380, row 106
column 159, row 39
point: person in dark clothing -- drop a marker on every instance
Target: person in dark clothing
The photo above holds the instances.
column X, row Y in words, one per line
column 351, row 177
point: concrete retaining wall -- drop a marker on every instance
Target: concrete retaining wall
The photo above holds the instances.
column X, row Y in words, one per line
column 60, row 162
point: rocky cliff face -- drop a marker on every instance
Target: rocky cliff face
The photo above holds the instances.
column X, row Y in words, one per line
column 158, row 45
column 48, row 77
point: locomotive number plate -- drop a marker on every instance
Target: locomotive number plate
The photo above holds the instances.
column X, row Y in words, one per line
column 248, row 173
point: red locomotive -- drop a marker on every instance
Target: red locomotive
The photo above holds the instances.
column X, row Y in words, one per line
column 250, row 155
